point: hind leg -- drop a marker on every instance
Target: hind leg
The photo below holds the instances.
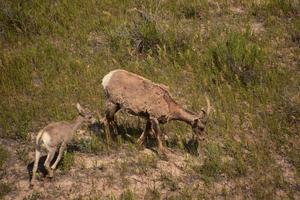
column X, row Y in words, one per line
column 35, row 166
column 145, row 133
column 111, row 109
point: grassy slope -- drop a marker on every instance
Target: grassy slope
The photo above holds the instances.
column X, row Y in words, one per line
column 245, row 56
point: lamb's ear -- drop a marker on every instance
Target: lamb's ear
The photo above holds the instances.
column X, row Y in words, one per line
column 79, row 108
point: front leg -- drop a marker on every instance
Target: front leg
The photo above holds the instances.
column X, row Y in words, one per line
column 158, row 134
column 61, row 151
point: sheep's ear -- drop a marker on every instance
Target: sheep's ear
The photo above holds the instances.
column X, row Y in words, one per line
column 79, row 108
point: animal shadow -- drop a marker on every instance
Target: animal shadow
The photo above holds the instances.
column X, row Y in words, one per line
column 41, row 167
column 191, row 146
column 127, row 133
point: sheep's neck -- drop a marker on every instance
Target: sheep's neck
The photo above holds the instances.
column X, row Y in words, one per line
column 77, row 122
column 184, row 115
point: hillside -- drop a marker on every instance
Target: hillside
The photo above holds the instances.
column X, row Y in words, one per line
column 244, row 55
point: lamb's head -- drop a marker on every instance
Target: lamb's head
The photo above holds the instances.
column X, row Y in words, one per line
column 200, row 123
column 86, row 114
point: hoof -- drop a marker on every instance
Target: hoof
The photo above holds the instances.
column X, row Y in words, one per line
column 50, row 174
column 163, row 154
column 32, row 184
column 140, row 142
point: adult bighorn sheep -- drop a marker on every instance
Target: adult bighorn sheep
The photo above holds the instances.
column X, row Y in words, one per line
column 57, row 134
column 140, row 96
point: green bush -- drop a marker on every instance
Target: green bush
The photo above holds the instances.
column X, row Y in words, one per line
column 67, row 161
column 236, row 59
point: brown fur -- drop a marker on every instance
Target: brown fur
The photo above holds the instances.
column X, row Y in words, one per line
column 142, row 97
column 55, row 134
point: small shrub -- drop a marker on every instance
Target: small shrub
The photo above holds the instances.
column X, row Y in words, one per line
column 146, row 35
column 127, row 195
column 169, row 182
column 212, row 166
column 237, row 166
column 284, row 7
column 278, row 8
column 23, row 155
column 92, row 145
column 152, row 194
column 67, row 161
column 236, row 59
column 33, row 196
column 194, row 9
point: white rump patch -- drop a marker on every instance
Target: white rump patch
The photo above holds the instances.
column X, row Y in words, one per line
column 107, row 78
column 46, row 138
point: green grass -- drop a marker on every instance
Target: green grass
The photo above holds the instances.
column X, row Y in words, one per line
column 55, row 54
column 67, row 161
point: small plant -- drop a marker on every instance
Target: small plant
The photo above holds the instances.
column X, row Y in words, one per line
column 236, row 59
column 213, row 164
column 169, row 182
column 4, row 189
column 278, row 8
column 67, row 161
column 23, row 155
column 152, row 194
column 90, row 145
column 127, row 195
column 194, row 9
column 33, row 196
column 283, row 7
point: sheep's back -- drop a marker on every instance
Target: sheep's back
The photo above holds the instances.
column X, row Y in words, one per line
column 138, row 94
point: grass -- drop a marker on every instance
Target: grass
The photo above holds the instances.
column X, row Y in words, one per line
column 55, row 54
column 152, row 194
column 67, row 161
column 127, row 195
column 33, row 196
column 4, row 155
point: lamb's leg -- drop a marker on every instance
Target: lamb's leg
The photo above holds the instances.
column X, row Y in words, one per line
column 158, row 134
column 145, row 133
column 60, row 154
column 51, row 153
column 35, row 166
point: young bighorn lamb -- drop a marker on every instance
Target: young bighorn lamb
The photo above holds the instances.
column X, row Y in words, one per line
column 55, row 134
column 141, row 97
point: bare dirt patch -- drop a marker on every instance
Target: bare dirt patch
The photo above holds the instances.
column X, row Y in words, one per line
column 103, row 175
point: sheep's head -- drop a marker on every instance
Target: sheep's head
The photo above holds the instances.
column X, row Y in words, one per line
column 86, row 114
column 200, row 123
